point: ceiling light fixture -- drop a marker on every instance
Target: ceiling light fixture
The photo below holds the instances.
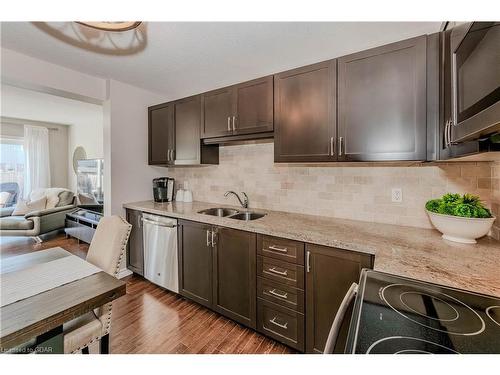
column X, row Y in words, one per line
column 117, row 26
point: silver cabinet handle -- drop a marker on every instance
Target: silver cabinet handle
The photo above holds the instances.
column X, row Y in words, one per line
column 213, row 242
column 172, row 158
column 228, row 123
column 277, row 294
column 208, row 238
column 308, row 261
column 158, row 223
column 281, row 273
column 332, row 147
column 450, row 129
column 341, row 145
column 168, row 155
column 273, row 321
column 339, row 318
column 234, row 123
column 139, row 221
column 446, row 133
column 277, row 248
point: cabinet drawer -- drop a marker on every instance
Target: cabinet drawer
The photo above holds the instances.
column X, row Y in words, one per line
column 280, row 294
column 280, row 323
column 280, row 248
column 282, row 272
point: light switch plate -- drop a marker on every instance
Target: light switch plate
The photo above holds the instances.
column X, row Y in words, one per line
column 397, row 195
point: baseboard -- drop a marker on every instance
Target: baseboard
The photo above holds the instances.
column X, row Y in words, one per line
column 124, row 273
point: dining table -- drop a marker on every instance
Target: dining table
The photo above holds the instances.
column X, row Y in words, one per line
column 42, row 290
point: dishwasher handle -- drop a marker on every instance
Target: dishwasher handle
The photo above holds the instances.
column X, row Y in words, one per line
column 331, row 341
column 158, row 223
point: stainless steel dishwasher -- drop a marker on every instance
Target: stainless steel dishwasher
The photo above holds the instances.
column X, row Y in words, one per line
column 160, row 251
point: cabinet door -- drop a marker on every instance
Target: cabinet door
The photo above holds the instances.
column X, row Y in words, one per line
column 382, row 103
column 305, row 113
column 254, row 106
column 330, row 274
column 161, row 134
column 195, row 262
column 187, row 130
column 217, row 113
column 235, row 275
column 135, row 246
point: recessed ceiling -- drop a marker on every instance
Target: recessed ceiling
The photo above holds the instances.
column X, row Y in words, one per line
column 179, row 59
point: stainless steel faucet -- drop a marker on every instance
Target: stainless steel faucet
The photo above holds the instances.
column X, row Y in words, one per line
column 244, row 202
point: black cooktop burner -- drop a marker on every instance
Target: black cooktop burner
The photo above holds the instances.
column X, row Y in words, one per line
column 433, row 309
column 407, row 345
column 493, row 313
column 396, row 315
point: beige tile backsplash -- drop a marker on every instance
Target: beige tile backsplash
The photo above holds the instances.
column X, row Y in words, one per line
column 351, row 191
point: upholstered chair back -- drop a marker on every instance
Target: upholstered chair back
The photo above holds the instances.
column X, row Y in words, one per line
column 106, row 251
column 109, row 244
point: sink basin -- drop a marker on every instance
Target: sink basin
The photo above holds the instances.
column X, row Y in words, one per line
column 246, row 216
column 217, row 211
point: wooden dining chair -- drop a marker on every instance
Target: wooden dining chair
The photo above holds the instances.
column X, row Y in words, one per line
column 106, row 251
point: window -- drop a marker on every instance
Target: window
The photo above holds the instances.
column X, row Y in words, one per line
column 12, row 161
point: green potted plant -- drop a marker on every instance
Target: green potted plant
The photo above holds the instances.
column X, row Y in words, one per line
column 460, row 218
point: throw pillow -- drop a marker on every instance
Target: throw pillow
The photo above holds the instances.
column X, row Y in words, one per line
column 4, row 198
column 87, row 199
column 65, row 198
column 23, row 207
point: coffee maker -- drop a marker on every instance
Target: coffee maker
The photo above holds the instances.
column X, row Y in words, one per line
column 163, row 189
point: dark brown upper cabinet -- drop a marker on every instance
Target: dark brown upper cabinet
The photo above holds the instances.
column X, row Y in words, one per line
column 135, row 247
column 217, row 113
column 174, row 134
column 189, row 149
column 254, row 106
column 329, row 274
column 234, row 265
column 195, row 262
column 305, row 114
column 246, row 108
column 161, row 134
column 382, row 103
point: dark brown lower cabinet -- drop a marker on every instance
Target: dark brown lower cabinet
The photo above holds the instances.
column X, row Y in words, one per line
column 135, row 246
column 330, row 274
column 282, row 324
column 234, row 268
column 195, row 262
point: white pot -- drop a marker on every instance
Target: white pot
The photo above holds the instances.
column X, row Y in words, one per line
column 461, row 229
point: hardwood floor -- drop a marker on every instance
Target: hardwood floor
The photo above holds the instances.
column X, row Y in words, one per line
column 149, row 319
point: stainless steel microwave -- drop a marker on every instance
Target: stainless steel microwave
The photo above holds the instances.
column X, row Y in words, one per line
column 475, row 71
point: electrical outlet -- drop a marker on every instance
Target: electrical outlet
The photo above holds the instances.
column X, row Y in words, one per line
column 397, row 195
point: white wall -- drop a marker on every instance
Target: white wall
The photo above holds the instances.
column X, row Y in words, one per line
column 126, row 145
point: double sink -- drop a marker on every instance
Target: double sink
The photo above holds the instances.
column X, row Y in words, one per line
column 232, row 213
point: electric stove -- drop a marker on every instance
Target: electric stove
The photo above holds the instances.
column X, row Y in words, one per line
column 397, row 315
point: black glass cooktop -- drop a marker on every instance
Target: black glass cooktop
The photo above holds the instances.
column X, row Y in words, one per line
column 396, row 315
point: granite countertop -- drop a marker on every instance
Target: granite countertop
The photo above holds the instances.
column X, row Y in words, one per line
column 405, row 251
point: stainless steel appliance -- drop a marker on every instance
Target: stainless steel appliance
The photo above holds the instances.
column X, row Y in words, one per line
column 397, row 315
column 475, row 81
column 160, row 251
column 163, row 189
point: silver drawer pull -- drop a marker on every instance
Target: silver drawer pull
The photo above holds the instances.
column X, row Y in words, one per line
column 277, row 248
column 275, row 293
column 282, row 273
column 273, row 320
